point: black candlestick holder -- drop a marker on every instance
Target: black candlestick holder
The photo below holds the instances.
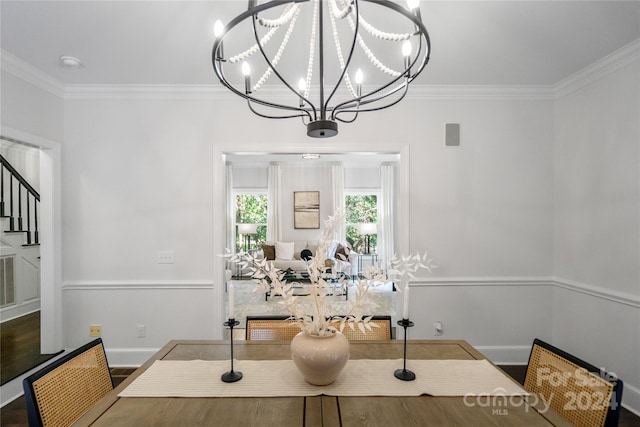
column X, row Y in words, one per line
column 404, row 374
column 231, row 376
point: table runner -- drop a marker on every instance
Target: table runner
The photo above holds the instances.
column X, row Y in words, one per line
column 362, row 377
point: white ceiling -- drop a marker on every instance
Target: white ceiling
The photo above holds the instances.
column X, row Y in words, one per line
column 169, row 42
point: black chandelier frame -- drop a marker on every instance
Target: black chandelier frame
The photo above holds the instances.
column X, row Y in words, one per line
column 322, row 117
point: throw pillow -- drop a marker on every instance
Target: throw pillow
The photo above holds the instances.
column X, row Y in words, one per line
column 269, row 252
column 306, row 254
column 342, row 252
column 284, row 250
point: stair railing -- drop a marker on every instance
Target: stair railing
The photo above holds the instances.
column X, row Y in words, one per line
column 31, row 196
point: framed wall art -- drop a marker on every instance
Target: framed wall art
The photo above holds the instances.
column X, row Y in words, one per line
column 306, row 209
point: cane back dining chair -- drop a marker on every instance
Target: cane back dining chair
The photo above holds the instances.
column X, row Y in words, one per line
column 282, row 328
column 581, row 393
column 60, row 393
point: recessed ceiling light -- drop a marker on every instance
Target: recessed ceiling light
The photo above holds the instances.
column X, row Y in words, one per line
column 70, row 61
column 310, row 156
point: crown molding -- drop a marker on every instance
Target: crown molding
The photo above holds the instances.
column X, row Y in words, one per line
column 482, row 93
column 213, row 92
column 599, row 69
column 30, row 74
column 141, row 91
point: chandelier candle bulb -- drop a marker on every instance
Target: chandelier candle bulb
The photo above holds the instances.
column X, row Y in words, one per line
column 359, row 78
column 406, row 52
column 218, row 29
column 246, row 72
column 413, row 4
column 302, row 85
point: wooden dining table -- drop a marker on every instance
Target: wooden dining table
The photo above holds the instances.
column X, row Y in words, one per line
column 311, row 411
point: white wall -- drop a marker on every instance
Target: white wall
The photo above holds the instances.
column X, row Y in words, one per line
column 483, row 209
column 140, row 177
column 596, row 310
column 500, row 319
column 363, row 177
column 250, row 177
column 304, row 178
column 25, row 159
column 28, row 108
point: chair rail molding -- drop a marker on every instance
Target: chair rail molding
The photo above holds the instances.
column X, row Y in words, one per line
column 595, row 291
column 94, row 285
column 598, row 292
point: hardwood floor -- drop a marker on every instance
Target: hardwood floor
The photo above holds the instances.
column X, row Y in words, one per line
column 20, row 346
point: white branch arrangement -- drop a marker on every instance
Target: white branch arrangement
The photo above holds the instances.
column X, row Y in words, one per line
column 315, row 313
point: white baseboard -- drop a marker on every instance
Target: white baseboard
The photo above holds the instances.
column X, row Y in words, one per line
column 631, row 398
column 11, row 390
column 15, row 311
column 506, row 354
column 129, row 357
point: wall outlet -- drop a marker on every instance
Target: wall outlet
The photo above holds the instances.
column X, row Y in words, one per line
column 438, row 328
column 142, row 331
column 165, row 257
column 95, row 330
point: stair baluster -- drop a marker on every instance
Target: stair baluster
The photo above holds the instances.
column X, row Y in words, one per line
column 31, row 233
column 20, row 227
column 2, row 190
column 12, row 225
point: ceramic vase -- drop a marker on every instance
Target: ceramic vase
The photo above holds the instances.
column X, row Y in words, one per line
column 320, row 359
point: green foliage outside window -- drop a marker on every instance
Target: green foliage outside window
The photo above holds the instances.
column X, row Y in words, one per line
column 360, row 208
column 251, row 209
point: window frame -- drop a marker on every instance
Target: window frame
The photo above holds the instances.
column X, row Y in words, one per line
column 247, row 192
column 364, row 192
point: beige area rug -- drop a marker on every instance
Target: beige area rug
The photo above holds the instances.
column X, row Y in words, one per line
column 247, row 303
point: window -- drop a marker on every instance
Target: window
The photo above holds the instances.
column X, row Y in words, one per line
column 251, row 208
column 361, row 208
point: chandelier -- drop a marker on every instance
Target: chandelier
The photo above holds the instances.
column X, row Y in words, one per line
column 379, row 48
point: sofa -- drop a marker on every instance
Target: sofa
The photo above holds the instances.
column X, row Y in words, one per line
column 290, row 255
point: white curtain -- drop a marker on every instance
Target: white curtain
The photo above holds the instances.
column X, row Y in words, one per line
column 274, row 218
column 386, row 236
column 230, row 232
column 337, row 173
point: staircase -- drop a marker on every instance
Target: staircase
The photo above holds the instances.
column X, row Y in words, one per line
column 19, row 243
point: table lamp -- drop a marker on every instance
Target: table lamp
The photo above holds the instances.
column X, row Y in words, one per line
column 247, row 230
column 367, row 229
